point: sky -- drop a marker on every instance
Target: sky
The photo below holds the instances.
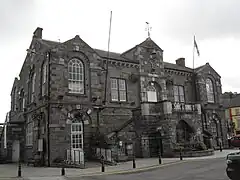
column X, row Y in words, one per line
column 215, row 24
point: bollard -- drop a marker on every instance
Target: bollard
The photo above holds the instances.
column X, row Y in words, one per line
column 181, row 158
column 102, row 161
column 19, row 169
column 159, row 158
column 63, row 171
column 134, row 163
column 220, row 147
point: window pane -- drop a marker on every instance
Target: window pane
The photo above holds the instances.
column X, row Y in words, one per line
column 176, row 98
column 181, row 97
column 123, row 96
column 114, row 94
column 175, row 90
column 114, row 83
column 181, row 90
column 122, row 85
column 152, row 96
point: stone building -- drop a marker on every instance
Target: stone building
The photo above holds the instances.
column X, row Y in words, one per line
column 62, row 105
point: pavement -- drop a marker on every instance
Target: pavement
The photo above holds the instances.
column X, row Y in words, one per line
column 202, row 169
column 9, row 171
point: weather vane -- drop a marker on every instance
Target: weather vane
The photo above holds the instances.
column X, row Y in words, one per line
column 148, row 28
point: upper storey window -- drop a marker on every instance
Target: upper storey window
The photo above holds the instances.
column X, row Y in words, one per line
column 210, row 92
column 76, row 76
column 151, row 93
column 178, row 94
column 118, row 90
column 33, row 87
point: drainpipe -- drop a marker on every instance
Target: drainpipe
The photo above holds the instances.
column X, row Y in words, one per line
column 48, row 109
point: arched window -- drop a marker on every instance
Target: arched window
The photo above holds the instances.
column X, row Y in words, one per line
column 76, row 76
column 210, row 92
column 44, row 77
column 33, row 86
column 151, row 93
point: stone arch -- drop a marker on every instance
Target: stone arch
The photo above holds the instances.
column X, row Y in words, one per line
column 184, row 132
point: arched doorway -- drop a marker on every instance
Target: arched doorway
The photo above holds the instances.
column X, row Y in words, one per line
column 184, row 132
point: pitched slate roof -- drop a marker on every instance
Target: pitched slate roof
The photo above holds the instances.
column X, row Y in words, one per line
column 118, row 57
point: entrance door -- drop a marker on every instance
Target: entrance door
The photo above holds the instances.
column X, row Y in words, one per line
column 15, row 151
column 77, row 153
column 155, row 145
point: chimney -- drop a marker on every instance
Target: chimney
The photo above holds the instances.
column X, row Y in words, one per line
column 38, row 33
column 180, row 62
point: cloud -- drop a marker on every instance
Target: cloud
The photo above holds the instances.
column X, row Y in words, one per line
column 206, row 19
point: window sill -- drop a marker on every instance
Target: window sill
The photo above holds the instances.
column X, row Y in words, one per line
column 75, row 94
column 120, row 102
column 29, row 146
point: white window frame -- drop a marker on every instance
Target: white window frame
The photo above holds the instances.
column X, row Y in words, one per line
column 29, row 132
column 210, row 91
column 44, row 77
column 76, row 76
column 77, row 143
column 151, row 93
column 179, row 95
column 33, row 86
column 118, row 90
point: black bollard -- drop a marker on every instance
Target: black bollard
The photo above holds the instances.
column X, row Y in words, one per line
column 102, row 162
column 181, row 158
column 19, row 169
column 134, row 163
column 159, row 158
column 220, row 147
column 63, row 171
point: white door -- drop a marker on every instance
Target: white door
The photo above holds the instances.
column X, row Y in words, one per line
column 77, row 153
column 15, row 151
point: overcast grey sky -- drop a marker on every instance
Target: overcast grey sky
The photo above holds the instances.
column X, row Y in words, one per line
column 174, row 22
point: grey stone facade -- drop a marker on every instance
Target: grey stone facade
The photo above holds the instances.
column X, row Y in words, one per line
column 136, row 120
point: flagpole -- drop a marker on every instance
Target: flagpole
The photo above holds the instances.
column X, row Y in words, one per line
column 193, row 50
column 193, row 76
column 106, row 77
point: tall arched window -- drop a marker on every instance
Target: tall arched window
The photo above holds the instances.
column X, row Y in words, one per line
column 33, row 86
column 210, row 91
column 76, row 76
column 151, row 93
column 44, row 77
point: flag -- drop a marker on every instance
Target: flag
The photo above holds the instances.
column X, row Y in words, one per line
column 196, row 46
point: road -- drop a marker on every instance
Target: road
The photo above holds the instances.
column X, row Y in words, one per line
column 209, row 169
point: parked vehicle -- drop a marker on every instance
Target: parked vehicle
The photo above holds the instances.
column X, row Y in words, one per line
column 233, row 166
column 235, row 141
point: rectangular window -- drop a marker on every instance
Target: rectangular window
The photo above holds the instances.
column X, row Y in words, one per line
column 29, row 132
column 118, row 90
column 179, row 94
